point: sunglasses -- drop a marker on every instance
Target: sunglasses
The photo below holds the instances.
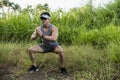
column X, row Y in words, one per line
column 42, row 18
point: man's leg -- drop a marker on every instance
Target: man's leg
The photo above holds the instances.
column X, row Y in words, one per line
column 59, row 51
column 32, row 51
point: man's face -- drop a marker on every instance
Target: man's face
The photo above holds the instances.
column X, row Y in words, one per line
column 45, row 21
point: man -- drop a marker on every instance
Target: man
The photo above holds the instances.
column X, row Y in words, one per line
column 49, row 34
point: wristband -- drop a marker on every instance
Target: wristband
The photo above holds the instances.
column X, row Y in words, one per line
column 42, row 36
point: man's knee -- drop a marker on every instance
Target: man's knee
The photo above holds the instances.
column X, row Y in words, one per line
column 60, row 51
column 30, row 50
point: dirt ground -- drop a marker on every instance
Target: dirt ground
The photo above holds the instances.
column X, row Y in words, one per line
column 10, row 73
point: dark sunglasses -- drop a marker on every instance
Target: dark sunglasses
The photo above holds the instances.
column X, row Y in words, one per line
column 42, row 18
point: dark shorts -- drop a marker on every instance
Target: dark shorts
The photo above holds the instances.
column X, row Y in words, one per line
column 48, row 48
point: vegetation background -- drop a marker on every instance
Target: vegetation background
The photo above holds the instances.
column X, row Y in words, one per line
column 90, row 38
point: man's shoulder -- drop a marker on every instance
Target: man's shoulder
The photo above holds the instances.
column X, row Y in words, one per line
column 54, row 27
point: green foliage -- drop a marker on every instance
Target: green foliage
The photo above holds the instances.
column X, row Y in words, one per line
column 98, row 29
column 114, row 52
column 83, row 61
column 86, row 25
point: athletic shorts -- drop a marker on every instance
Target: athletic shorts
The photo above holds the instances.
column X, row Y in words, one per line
column 48, row 48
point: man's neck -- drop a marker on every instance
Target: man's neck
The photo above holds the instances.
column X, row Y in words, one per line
column 46, row 26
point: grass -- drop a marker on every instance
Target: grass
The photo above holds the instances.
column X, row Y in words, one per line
column 82, row 61
column 90, row 36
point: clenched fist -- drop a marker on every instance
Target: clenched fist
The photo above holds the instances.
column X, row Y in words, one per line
column 38, row 31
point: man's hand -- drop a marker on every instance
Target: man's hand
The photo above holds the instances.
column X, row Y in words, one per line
column 38, row 31
column 34, row 35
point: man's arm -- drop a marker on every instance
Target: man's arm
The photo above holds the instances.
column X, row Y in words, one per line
column 54, row 35
column 34, row 34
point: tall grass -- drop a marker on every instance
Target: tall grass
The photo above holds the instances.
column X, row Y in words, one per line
column 92, row 35
column 83, row 62
column 80, row 24
column 88, row 25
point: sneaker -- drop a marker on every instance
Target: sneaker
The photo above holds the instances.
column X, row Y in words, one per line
column 63, row 71
column 33, row 68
